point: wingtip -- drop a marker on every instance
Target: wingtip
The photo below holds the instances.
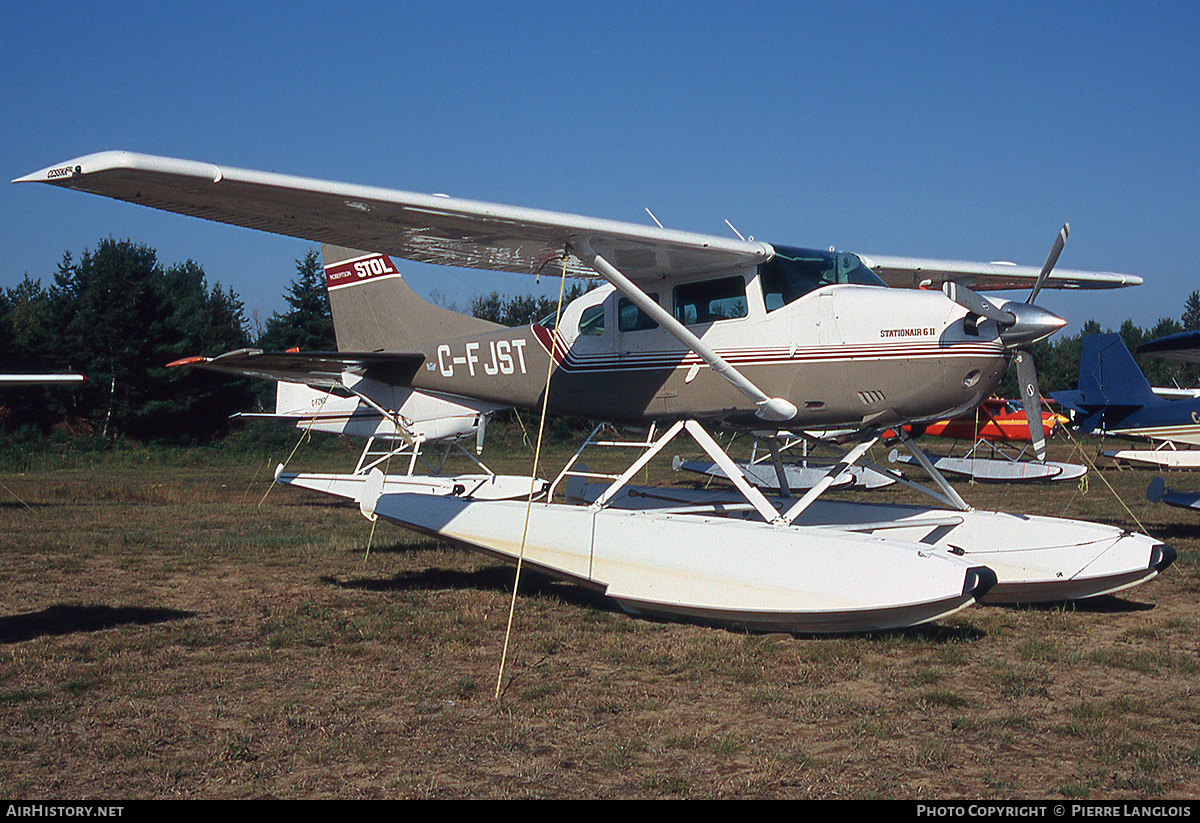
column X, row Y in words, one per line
column 63, row 173
column 188, row 361
column 59, row 173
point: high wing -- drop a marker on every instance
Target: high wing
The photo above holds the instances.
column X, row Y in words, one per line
column 455, row 232
column 421, row 227
column 313, row 368
column 915, row 272
column 1183, row 346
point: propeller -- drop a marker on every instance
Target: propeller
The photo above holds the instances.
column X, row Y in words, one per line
column 1021, row 325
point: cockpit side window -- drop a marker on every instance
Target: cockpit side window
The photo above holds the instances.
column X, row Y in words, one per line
column 792, row 273
column 711, row 300
column 591, row 322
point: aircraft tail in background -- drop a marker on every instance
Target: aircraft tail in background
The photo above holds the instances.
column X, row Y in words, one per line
column 1114, row 397
column 1111, row 386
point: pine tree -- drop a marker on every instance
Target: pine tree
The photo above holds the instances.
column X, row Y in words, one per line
column 24, row 328
column 1191, row 312
column 521, row 310
column 24, row 315
column 119, row 317
column 309, row 324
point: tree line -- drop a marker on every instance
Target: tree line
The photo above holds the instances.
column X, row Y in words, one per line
column 118, row 315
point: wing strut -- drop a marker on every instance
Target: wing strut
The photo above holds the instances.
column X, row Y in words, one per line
column 825, row 482
column 775, row 409
column 714, row 450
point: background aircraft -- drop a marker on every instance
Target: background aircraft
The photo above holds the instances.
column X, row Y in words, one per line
column 998, row 432
column 1183, row 346
column 21, row 379
column 1115, row 398
column 1157, row 492
column 995, row 420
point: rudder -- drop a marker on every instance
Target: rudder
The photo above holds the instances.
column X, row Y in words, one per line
column 1108, row 374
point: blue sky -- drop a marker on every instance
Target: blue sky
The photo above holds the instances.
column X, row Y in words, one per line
column 956, row 130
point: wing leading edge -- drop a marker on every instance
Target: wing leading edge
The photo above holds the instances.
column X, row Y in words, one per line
column 420, row 227
column 472, row 234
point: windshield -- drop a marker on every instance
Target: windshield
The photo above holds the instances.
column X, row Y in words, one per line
column 793, row 273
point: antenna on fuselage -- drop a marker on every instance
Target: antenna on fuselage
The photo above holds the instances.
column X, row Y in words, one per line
column 655, row 219
column 735, row 231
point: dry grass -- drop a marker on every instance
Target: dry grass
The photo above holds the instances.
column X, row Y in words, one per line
column 164, row 635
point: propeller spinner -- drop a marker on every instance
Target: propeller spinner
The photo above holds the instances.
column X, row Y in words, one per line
column 1021, row 325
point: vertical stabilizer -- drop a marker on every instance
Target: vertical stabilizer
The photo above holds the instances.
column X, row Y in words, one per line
column 1109, row 376
column 375, row 310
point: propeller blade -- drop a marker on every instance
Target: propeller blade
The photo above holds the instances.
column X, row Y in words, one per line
column 972, row 302
column 1031, row 398
column 1059, row 242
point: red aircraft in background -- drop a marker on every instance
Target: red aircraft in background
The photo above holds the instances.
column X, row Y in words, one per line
column 995, row 420
column 994, row 424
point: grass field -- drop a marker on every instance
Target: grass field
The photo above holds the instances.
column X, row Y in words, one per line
column 168, row 632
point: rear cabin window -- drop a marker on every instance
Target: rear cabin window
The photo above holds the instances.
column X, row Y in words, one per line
column 631, row 318
column 793, row 273
column 710, row 300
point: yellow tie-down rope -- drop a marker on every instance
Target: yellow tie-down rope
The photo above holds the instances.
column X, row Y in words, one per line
column 306, row 433
column 1083, row 484
column 537, row 453
column 1091, row 464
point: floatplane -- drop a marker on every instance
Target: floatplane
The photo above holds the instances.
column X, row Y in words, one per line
column 689, row 333
column 400, row 424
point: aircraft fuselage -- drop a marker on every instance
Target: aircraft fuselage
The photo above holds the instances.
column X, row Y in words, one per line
column 842, row 354
column 1175, row 421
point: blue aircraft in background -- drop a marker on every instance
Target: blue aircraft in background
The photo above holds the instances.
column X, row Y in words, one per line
column 1114, row 397
column 1184, row 346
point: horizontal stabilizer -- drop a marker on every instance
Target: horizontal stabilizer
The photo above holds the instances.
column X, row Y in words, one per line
column 1157, row 492
column 313, row 368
